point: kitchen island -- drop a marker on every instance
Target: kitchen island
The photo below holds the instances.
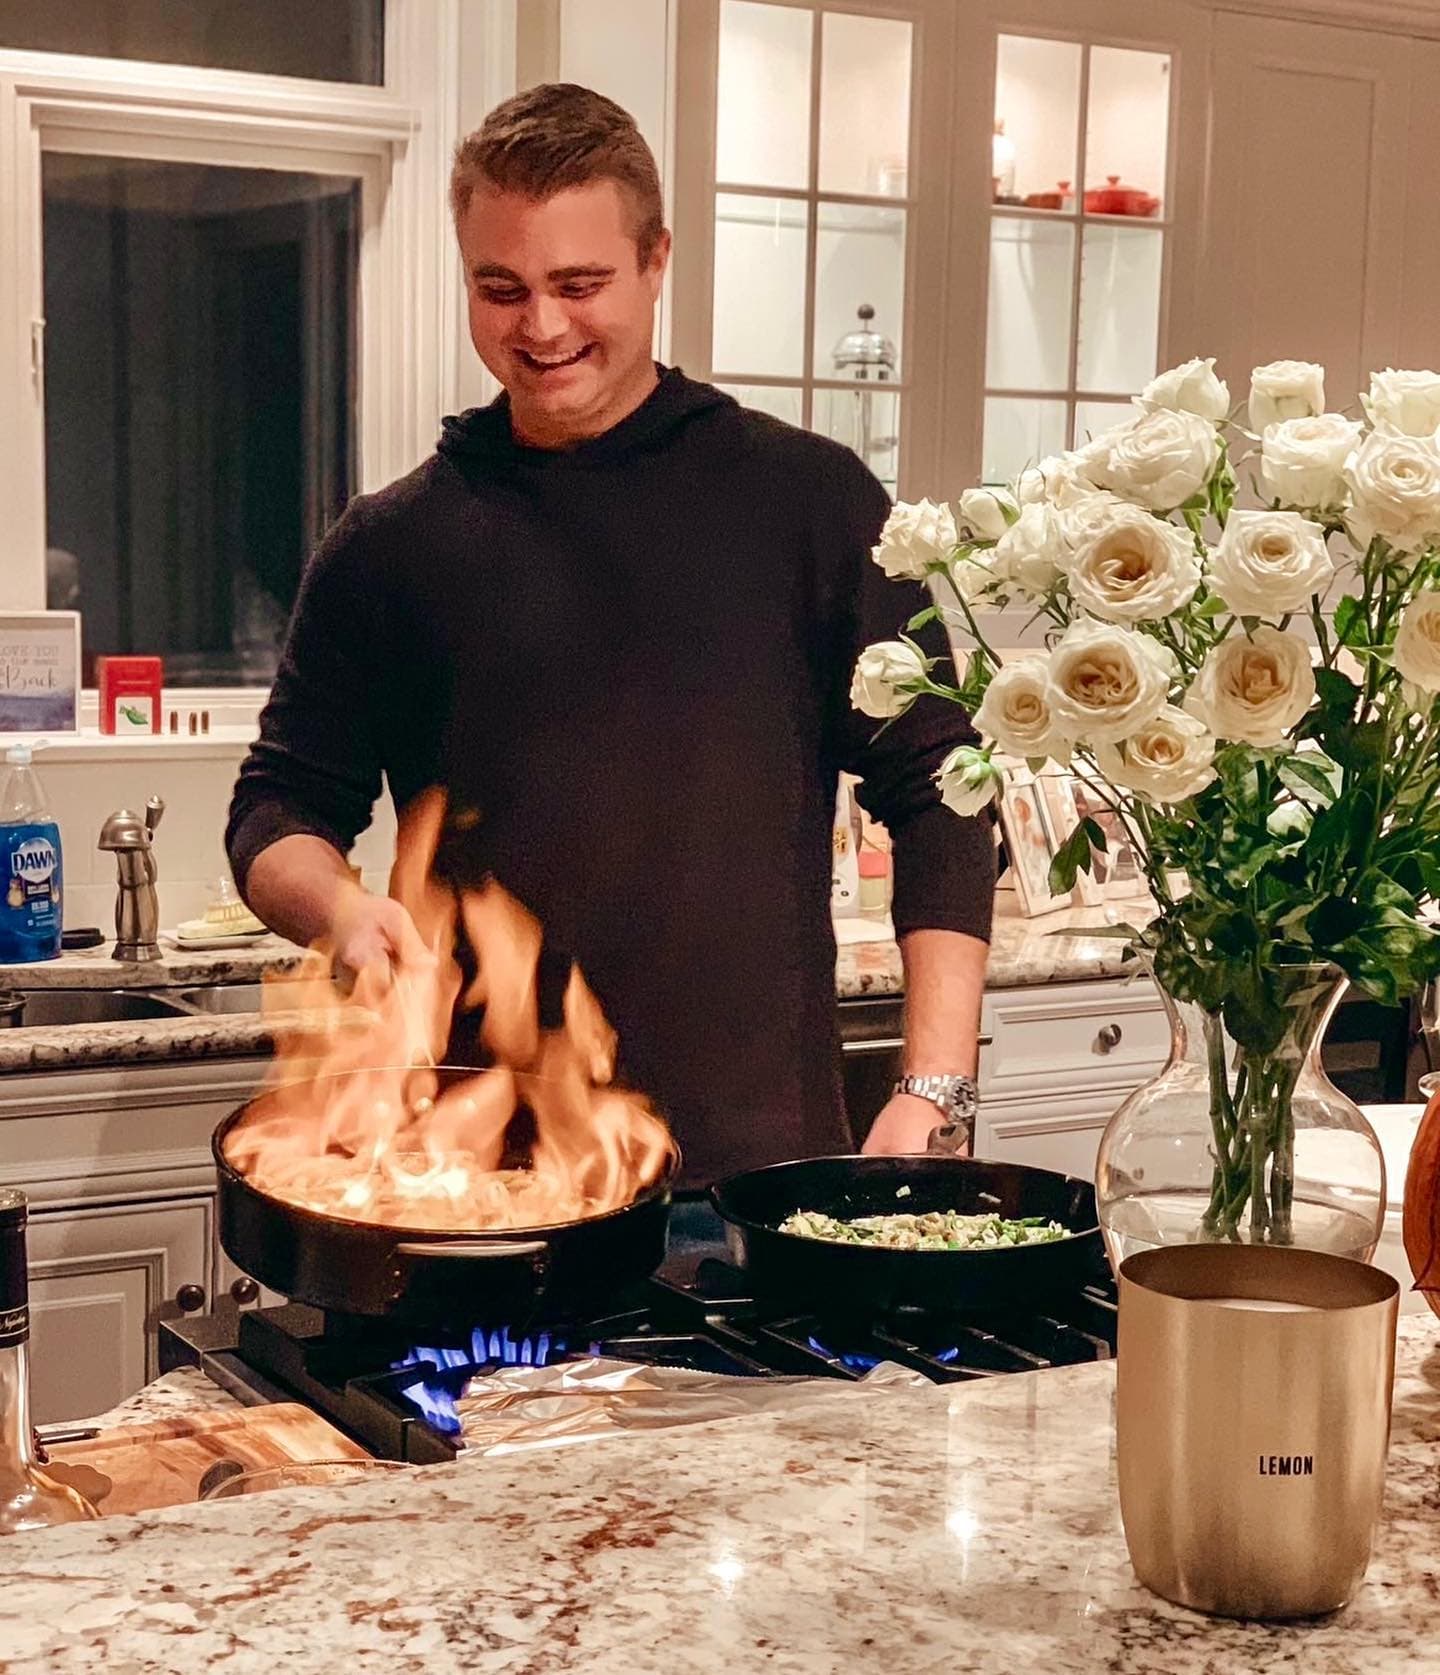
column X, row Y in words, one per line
column 973, row 1528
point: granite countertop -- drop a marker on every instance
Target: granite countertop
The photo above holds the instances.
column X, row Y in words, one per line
column 968, row 1528
column 1023, row 952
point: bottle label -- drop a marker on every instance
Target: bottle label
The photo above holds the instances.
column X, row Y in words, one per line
column 14, row 1326
column 31, row 911
column 14, row 1281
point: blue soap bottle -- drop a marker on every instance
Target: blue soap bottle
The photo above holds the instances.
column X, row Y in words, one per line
column 31, row 916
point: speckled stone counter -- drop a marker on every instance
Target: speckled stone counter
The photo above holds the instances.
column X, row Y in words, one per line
column 94, row 968
column 1022, row 951
column 968, row 1529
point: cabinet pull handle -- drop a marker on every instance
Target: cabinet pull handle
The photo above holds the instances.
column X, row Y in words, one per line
column 244, row 1290
column 1108, row 1038
column 886, row 1044
column 190, row 1297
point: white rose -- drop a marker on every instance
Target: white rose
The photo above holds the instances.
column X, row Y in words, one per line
column 1015, row 711
column 1191, row 388
column 1302, row 461
column 1269, row 563
column 1089, row 515
column 1031, row 554
column 987, row 513
column 1254, row 689
column 1406, row 403
column 975, row 581
column 1285, row 390
column 1395, row 485
column 1059, row 480
column 1106, row 681
column 1417, row 642
column 1158, row 460
column 968, row 780
column 914, row 537
column 1131, row 567
column 880, row 671
column 1165, row 761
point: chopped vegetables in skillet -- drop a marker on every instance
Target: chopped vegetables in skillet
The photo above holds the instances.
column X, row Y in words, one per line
column 935, row 1230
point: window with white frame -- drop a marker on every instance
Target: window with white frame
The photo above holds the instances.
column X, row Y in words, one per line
column 209, row 303
column 813, row 191
column 1078, row 228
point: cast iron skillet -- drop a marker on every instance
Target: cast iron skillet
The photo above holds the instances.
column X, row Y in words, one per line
column 418, row 1276
column 820, row 1276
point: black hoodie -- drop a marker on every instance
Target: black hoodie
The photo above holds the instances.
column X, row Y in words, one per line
column 633, row 658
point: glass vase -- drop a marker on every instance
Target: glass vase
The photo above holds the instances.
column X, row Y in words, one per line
column 1231, row 1143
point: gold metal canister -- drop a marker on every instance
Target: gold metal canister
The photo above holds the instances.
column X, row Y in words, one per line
column 1252, row 1424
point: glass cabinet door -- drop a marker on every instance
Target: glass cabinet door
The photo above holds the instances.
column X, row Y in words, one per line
column 813, row 193
column 1078, row 226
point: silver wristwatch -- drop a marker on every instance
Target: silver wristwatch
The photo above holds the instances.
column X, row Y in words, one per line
column 957, row 1099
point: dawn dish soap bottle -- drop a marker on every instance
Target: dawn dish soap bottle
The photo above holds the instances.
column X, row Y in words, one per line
column 31, row 918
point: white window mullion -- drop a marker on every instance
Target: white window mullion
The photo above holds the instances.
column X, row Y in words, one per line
column 22, row 388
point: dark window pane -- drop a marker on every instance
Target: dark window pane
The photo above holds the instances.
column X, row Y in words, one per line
column 200, row 353
column 329, row 40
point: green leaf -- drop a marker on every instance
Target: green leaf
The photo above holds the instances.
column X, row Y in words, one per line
column 1311, row 771
column 1338, row 693
column 1095, row 833
column 1351, row 628
column 919, row 620
column 1071, row 857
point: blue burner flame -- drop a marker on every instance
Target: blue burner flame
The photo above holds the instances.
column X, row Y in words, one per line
column 487, row 1347
column 863, row 1363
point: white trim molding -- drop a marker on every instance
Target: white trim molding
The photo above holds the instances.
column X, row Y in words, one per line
column 1387, row 17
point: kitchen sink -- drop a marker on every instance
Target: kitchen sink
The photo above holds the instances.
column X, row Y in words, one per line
column 47, row 1007
column 222, row 998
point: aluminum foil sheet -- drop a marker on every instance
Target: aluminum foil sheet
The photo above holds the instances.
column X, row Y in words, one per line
column 518, row 1408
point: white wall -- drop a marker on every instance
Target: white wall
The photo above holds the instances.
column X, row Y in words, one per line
column 85, row 782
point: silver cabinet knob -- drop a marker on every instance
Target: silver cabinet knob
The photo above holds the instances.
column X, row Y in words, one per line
column 1108, row 1038
column 244, row 1290
column 190, row 1298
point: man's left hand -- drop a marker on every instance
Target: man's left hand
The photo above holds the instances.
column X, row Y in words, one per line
column 903, row 1126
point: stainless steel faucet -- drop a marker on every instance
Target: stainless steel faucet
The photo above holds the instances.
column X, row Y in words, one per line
column 137, row 908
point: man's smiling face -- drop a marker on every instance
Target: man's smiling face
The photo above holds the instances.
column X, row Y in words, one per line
column 561, row 310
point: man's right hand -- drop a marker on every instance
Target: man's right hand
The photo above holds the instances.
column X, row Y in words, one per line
column 369, row 929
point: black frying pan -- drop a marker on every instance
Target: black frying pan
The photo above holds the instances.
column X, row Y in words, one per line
column 825, row 1277
column 423, row 1277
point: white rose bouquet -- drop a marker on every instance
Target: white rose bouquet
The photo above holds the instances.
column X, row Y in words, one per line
column 1255, row 694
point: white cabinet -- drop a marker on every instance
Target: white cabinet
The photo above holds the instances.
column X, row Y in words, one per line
column 117, row 1167
column 1057, row 1062
column 100, row 1280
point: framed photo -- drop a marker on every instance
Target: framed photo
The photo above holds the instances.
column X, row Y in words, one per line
column 39, row 671
column 1029, row 843
column 1057, row 790
column 1117, row 871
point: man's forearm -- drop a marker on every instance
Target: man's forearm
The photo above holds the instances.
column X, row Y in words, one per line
column 296, row 884
column 944, row 984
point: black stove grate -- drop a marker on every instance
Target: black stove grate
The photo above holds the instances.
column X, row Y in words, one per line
column 395, row 1396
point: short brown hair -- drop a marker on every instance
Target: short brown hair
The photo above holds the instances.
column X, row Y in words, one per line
column 555, row 136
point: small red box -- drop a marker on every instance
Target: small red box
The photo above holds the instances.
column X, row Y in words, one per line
column 129, row 694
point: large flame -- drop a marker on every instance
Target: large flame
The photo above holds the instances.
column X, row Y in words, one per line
column 370, row 1130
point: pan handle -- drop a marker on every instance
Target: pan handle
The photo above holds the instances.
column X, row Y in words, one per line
column 533, row 1247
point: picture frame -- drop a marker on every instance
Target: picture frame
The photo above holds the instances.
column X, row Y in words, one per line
column 1029, row 844
column 1117, row 874
column 39, row 672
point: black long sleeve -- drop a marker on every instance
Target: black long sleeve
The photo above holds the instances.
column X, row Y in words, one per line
column 630, row 663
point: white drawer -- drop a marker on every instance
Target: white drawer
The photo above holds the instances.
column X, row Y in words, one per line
column 1072, row 1037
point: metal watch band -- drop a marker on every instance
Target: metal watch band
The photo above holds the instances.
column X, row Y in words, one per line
column 957, row 1099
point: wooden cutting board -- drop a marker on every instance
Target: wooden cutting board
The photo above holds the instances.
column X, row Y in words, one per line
column 162, row 1463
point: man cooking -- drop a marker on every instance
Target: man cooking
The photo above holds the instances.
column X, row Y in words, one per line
column 616, row 615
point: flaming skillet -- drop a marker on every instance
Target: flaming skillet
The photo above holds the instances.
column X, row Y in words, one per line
column 827, row 1277
column 419, row 1276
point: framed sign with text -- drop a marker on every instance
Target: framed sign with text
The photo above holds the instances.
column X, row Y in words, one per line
column 39, row 671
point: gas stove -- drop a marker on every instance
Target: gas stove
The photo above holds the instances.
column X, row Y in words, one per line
column 397, row 1397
